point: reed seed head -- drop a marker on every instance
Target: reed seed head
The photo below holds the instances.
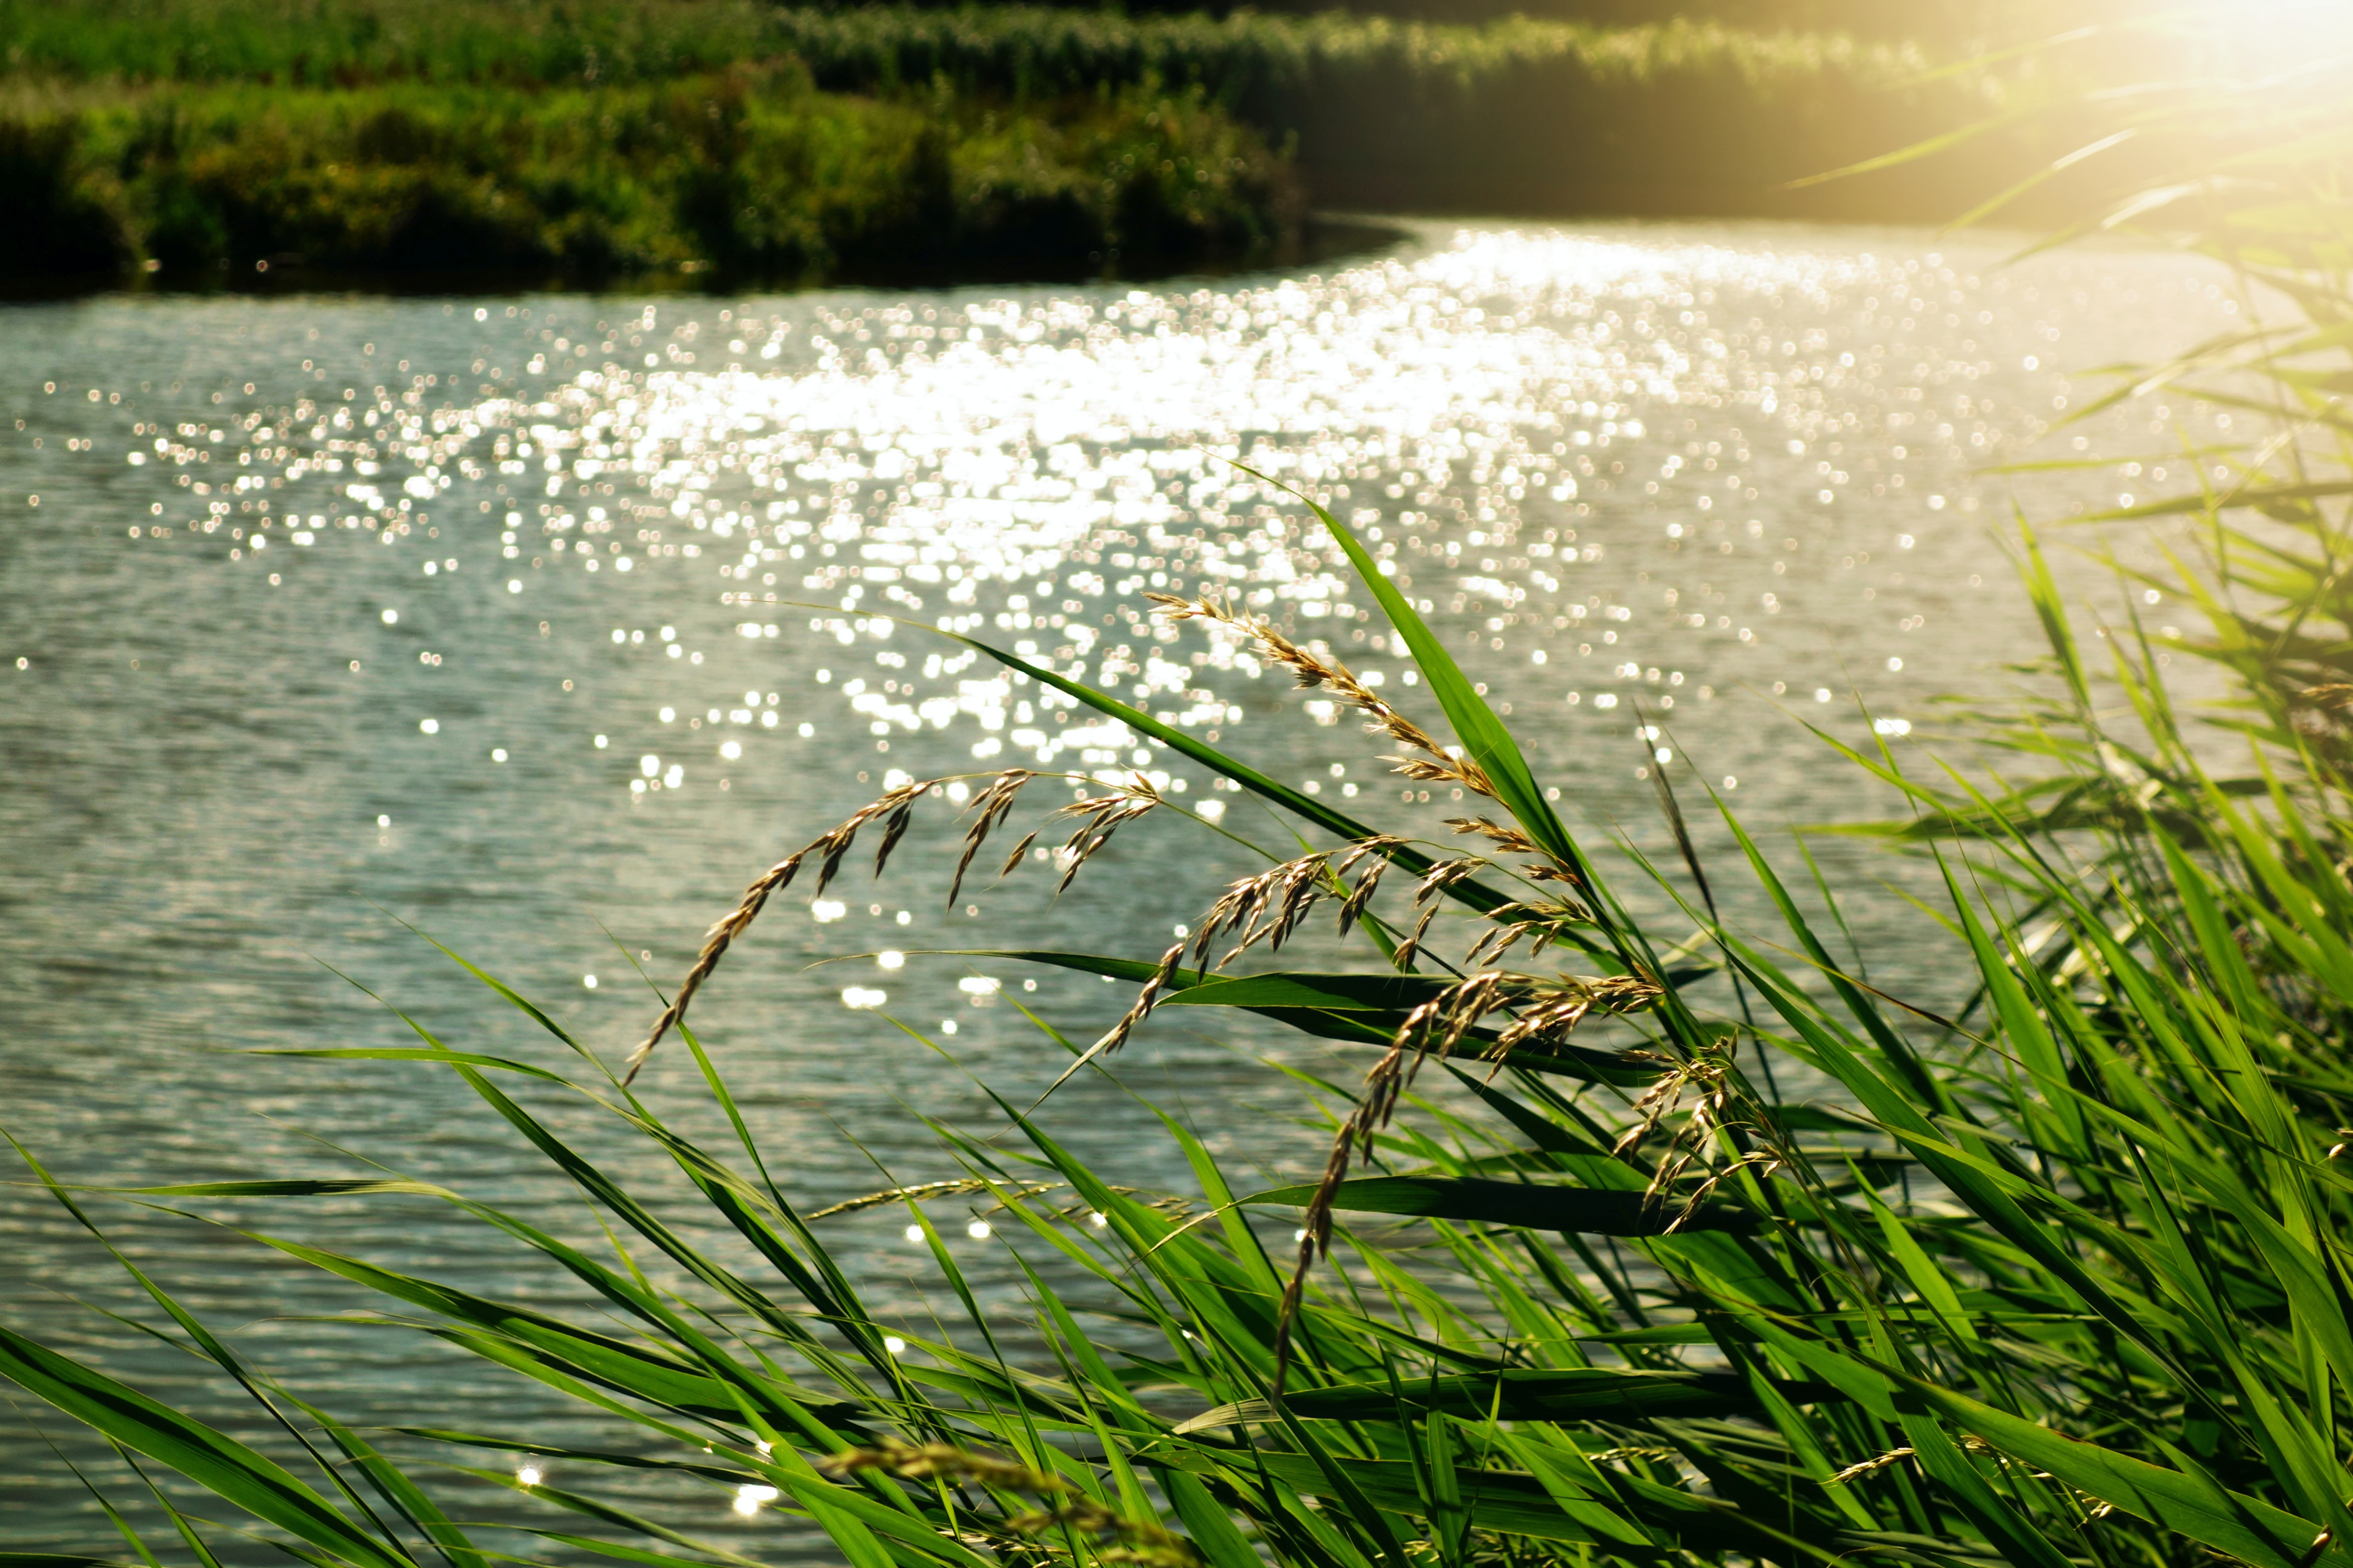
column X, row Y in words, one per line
column 1437, row 764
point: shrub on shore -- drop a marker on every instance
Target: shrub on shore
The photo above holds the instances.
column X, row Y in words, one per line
column 749, row 173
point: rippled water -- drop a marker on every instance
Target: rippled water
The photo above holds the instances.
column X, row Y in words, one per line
column 536, row 624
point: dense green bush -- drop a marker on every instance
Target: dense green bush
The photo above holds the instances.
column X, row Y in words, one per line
column 63, row 214
column 750, row 173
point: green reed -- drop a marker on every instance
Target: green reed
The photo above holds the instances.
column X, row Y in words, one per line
column 2056, row 1277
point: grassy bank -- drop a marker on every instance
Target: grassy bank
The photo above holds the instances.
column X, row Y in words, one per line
column 1505, row 115
column 747, row 173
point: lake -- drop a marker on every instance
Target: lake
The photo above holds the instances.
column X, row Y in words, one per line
column 536, row 624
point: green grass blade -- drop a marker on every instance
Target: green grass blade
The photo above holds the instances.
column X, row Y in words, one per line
column 209, row 1458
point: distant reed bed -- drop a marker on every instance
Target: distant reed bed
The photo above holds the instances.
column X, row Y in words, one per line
column 1031, row 48
column 1025, row 48
column 1514, row 115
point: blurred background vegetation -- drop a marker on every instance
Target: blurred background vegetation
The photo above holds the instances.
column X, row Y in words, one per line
column 196, row 139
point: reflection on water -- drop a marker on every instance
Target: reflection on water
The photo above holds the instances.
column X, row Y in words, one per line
column 542, row 623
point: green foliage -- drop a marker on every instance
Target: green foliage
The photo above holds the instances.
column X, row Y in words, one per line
column 68, row 212
column 1513, row 113
column 750, row 173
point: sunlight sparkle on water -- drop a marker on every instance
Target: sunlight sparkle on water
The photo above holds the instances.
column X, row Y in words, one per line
column 1608, row 463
